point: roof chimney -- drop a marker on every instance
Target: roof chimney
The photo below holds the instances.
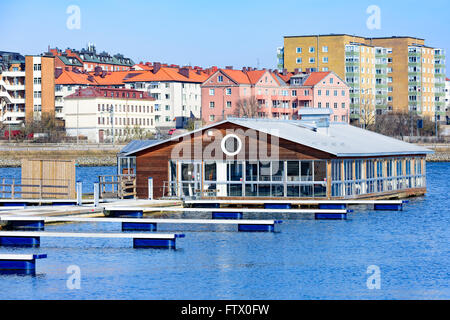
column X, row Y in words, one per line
column 184, row 72
column 97, row 70
column 58, row 72
column 229, row 67
column 156, row 67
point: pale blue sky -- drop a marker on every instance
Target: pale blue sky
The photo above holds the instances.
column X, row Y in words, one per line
column 198, row 32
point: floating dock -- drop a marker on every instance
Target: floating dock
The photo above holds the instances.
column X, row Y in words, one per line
column 133, row 224
column 19, row 263
column 140, row 240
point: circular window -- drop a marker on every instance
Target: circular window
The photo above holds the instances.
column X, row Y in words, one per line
column 231, row 145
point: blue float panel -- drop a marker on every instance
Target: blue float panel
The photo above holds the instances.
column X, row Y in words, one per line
column 27, row 267
column 256, row 227
column 333, row 206
column 127, row 214
column 63, row 204
column 388, row 207
column 206, row 205
column 138, row 226
column 20, row 241
column 330, row 216
column 14, row 204
column 277, row 206
column 17, row 265
column 227, row 215
column 154, row 243
column 26, row 225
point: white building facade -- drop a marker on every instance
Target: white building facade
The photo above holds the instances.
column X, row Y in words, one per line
column 109, row 115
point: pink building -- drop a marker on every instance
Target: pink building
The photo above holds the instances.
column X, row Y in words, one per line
column 266, row 94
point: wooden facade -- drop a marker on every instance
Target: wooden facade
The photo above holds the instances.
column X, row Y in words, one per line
column 48, row 178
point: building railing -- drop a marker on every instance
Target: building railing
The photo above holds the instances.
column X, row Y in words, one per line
column 117, row 186
column 30, row 188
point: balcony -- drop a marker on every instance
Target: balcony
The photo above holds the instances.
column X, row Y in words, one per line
column 414, row 54
column 13, row 74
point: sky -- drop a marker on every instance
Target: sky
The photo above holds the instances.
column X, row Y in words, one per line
column 209, row 33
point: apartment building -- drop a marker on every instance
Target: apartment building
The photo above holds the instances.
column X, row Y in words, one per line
column 88, row 59
column 39, row 86
column 12, row 89
column 447, row 100
column 177, row 91
column 109, row 114
column 269, row 94
column 399, row 74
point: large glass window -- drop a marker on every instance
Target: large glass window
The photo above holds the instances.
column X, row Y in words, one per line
column 251, row 171
column 293, row 171
column 307, row 171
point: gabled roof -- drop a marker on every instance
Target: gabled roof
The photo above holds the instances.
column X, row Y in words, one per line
column 315, row 77
column 237, row 76
column 339, row 139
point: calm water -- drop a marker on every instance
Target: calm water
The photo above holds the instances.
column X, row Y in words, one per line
column 307, row 259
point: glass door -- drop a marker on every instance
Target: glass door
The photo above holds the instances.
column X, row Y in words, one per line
column 190, row 178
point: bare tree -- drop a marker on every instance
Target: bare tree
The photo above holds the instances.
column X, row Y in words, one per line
column 247, row 108
column 402, row 124
column 367, row 116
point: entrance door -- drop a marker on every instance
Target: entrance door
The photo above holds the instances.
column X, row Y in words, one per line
column 190, row 178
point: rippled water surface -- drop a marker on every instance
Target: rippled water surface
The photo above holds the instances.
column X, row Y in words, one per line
column 304, row 259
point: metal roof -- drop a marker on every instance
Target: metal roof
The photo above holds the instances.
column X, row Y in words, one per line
column 137, row 145
column 339, row 139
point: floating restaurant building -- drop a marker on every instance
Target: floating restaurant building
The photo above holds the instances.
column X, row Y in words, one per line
column 278, row 159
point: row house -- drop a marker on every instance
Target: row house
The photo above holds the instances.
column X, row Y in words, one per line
column 265, row 94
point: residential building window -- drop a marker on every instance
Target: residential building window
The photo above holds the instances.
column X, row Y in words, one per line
column 220, row 79
column 37, row 67
column 211, row 104
column 211, row 117
column 335, row 105
column 331, row 80
column 299, row 60
column 335, row 93
column 319, row 92
column 343, row 105
column 228, row 104
column 319, row 105
column 228, row 91
column 312, row 49
column 299, row 50
column 325, row 59
column 325, row 69
column 312, row 60
column 325, row 49
column 294, row 93
column 343, row 93
column 211, row 92
column 37, row 80
column 327, row 93
column 167, row 107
